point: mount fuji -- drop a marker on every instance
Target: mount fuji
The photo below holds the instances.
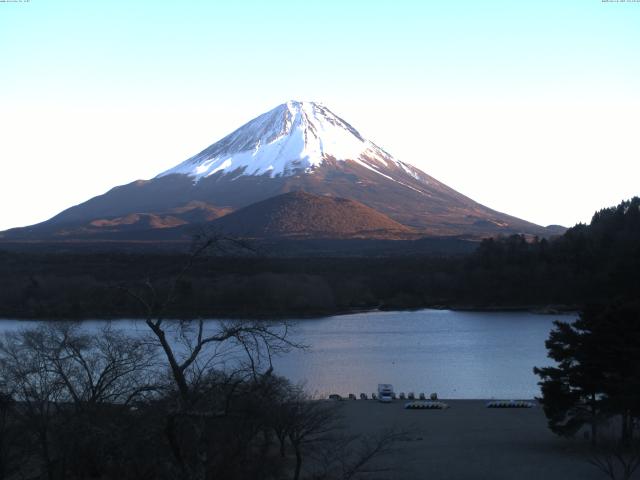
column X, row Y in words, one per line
column 297, row 146
column 295, row 137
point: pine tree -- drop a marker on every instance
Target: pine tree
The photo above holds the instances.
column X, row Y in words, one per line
column 572, row 392
column 598, row 371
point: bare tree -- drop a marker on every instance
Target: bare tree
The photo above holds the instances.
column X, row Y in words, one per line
column 307, row 423
column 29, row 377
column 617, row 459
column 111, row 367
column 192, row 348
column 64, row 381
column 195, row 348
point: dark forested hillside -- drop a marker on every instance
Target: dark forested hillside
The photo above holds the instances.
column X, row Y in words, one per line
column 589, row 263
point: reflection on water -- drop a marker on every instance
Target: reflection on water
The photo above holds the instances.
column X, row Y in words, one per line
column 456, row 354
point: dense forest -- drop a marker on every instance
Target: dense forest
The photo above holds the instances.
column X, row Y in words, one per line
column 589, row 263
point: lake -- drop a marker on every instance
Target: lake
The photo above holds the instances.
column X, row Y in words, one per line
column 462, row 355
column 456, row 354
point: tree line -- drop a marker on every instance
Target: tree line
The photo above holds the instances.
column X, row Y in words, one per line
column 589, row 262
column 594, row 386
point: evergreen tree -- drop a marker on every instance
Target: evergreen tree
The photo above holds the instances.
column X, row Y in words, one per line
column 617, row 330
column 598, row 371
column 572, row 392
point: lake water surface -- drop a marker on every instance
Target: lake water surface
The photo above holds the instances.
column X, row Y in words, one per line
column 456, row 354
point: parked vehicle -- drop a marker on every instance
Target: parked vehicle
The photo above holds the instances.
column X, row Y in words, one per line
column 385, row 392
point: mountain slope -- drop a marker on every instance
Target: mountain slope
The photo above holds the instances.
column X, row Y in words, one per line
column 296, row 146
column 303, row 215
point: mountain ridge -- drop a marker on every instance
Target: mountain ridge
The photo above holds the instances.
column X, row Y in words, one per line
column 295, row 146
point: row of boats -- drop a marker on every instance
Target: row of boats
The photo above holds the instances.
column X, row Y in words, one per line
column 386, row 395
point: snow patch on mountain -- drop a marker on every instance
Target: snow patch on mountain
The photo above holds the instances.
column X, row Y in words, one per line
column 292, row 138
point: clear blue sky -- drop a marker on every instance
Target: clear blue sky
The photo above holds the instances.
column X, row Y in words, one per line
column 532, row 108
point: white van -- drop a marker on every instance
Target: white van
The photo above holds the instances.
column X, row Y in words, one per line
column 385, row 392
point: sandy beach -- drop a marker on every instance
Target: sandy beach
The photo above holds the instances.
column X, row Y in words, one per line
column 470, row 441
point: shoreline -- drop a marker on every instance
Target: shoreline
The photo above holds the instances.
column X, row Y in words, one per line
column 534, row 309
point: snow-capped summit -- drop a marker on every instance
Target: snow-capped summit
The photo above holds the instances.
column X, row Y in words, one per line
column 297, row 146
column 293, row 137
